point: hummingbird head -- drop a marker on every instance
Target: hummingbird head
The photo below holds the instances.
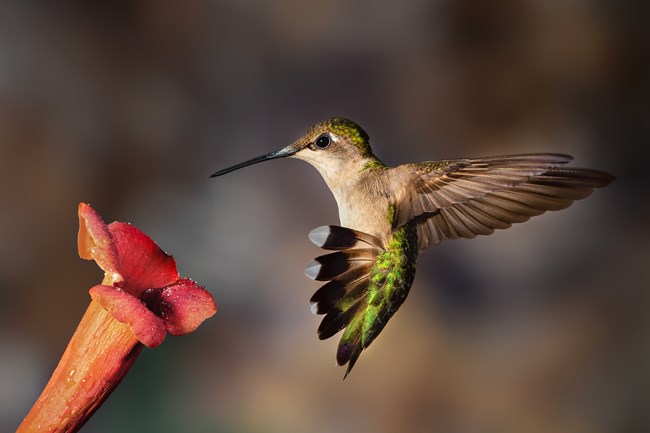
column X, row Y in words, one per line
column 330, row 146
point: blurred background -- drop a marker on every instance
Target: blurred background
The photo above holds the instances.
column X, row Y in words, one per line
column 131, row 105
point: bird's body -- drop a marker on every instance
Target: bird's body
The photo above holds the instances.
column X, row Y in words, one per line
column 363, row 200
column 388, row 214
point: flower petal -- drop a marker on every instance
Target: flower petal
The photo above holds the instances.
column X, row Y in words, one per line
column 94, row 241
column 142, row 263
column 184, row 306
column 148, row 328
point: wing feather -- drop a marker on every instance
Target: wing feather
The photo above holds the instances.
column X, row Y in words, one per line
column 469, row 197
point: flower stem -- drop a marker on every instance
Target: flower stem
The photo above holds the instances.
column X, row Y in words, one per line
column 98, row 356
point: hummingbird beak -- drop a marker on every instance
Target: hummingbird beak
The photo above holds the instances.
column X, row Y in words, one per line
column 282, row 153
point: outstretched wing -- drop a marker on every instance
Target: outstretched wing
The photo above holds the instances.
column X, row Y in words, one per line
column 468, row 197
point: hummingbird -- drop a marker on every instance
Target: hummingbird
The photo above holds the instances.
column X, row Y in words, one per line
column 389, row 214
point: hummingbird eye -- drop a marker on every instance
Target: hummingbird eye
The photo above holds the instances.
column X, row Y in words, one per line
column 323, row 141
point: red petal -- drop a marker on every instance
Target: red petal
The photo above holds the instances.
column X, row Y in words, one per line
column 95, row 242
column 142, row 263
column 125, row 308
column 184, row 306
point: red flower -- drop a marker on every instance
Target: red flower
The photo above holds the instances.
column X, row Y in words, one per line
column 141, row 286
column 140, row 298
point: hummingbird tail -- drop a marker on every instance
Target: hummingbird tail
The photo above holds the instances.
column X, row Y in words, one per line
column 366, row 284
column 348, row 272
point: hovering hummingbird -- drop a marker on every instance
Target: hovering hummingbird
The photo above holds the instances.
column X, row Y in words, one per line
column 389, row 214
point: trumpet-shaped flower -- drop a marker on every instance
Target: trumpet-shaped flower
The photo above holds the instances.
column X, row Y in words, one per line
column 140, row 298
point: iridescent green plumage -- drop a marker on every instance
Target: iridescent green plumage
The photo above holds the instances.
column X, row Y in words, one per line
column 351, row 131
column 365, row 289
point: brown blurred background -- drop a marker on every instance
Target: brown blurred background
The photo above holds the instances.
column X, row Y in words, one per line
column 131, row 105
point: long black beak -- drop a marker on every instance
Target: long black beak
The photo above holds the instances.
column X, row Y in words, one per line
column 282, row 153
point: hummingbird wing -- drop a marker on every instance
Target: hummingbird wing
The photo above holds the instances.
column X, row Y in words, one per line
column 367, row 284
column 468, row 197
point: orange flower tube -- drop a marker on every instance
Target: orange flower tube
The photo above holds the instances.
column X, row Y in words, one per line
column 140, row 299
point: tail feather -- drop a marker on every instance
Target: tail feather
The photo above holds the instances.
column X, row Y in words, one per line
column 336, row 320
column 326, row 267
column 330, row 295
column 367, row 284
column 350, row 346
column 341, row 238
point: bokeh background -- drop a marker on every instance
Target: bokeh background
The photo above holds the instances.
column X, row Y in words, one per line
column 131, row 105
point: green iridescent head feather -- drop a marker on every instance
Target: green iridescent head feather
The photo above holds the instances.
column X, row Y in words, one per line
column 351, row 131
